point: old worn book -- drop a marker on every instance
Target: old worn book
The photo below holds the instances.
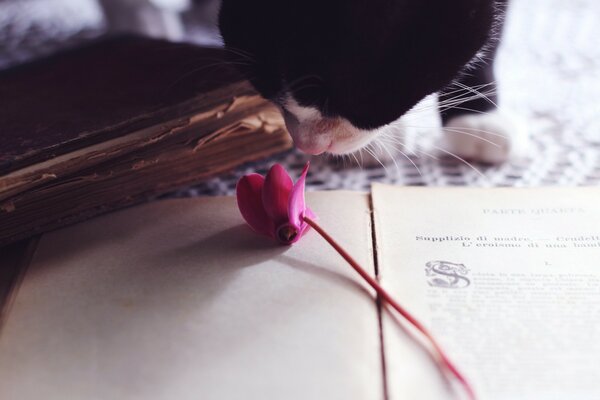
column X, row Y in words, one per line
column 180, row 299
column 113, row 123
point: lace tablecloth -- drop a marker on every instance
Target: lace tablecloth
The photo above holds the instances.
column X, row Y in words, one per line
column 548, row 74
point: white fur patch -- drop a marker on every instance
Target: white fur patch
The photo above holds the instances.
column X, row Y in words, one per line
column 314, row 133
column 491, row 138
column 303, row 113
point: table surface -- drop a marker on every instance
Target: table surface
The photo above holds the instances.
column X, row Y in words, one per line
column 548, row 74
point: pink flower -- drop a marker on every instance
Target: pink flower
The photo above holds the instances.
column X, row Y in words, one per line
column 273, row 205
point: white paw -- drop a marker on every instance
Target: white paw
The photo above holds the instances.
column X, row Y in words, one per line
column 491, row 138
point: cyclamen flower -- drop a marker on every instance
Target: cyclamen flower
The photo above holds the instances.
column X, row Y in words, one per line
column 273, row 205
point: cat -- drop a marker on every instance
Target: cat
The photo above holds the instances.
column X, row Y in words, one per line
column 343, row 70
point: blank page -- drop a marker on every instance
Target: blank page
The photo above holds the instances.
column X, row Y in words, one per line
column 180, row 300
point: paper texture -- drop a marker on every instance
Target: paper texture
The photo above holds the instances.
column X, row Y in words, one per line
column 180, row 300
column 508, row 281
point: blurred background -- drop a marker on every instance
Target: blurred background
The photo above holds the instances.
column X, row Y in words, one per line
column 548, row 74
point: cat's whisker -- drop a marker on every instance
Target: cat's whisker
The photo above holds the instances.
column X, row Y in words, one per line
column 470, row 110
column 474, row 86
column 373, row 154
column 460, row 88
column 410, row 160
column 463, row 129
column 376, row 154
column 343, row 157
column 391, row 137
column 460, row 99
column 347, row 157
column 468, row 132
column 450, row 103
column 472, row 135
column 393, row 141
column 423, row 152
column 481, row 174
column 458, row 93
column 482, row 131
column 395, row 145
column 477, row 92
column 381, row 144
column 428, row 155
column 464, row 93
column 413, row 151
column 356, row 159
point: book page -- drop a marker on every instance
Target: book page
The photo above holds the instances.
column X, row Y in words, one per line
column 181, row 300
column 506, row 279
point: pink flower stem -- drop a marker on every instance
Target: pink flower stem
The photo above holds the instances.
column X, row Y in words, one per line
column 443, row 358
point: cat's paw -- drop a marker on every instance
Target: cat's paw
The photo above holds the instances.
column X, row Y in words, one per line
column 493, row 137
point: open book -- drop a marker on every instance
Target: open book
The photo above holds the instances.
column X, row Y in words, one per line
column 180, row 300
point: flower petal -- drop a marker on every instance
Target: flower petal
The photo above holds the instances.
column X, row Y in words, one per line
column 310, row 214
column 249, row 198
column 276, row 194
column 297, row 204
column 304, row 227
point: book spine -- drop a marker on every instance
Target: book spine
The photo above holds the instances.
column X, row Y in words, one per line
column 138, row 167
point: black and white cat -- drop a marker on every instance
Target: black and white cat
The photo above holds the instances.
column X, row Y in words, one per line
column 342, row 70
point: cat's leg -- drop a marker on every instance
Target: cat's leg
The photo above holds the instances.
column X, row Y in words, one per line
column 477, row 129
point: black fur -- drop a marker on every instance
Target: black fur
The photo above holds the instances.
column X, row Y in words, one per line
column 369, row 61
column 480, row 76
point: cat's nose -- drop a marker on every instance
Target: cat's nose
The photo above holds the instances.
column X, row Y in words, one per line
column 312, row 148
column 311, row 138
column 308, row 142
